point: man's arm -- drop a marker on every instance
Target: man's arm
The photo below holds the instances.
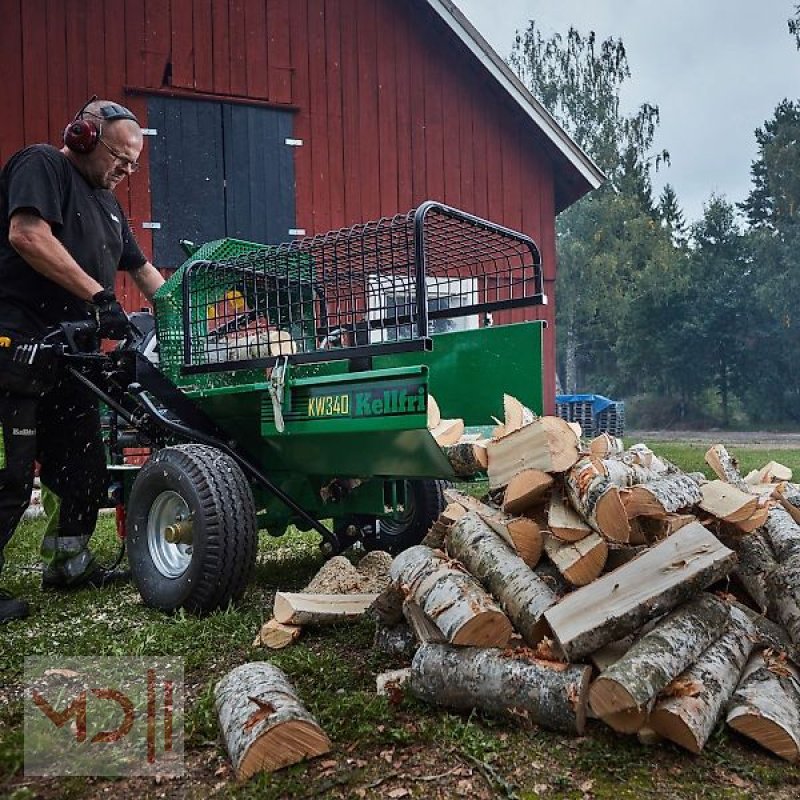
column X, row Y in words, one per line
column 33, row 239
column 148, row 279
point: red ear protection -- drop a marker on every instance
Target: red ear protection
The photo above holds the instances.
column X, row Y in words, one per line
column 82, row 135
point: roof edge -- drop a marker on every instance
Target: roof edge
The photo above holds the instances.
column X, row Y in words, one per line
column 502, row 73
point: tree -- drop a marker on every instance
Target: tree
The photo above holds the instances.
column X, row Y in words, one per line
column 606, row 238
column 794, row 25
column 774, row 201
column 672, row 217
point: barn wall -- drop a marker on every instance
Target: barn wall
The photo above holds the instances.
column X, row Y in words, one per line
column 390, row 108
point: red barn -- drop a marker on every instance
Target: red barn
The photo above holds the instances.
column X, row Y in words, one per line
column 269, row 119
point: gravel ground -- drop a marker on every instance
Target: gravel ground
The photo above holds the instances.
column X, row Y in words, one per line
column 768, row 440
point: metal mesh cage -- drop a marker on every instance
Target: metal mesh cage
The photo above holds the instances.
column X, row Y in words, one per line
column 385, row 285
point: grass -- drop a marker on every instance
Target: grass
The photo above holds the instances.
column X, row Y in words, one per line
column 379, row 748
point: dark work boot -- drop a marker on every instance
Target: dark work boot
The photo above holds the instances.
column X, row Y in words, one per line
column 11, row 608
column 95, row 577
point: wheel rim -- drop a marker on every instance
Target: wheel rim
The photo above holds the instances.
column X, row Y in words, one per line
column 171, row 560
column 392, row 526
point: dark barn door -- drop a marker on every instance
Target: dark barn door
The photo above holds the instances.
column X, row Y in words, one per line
column 217, row 170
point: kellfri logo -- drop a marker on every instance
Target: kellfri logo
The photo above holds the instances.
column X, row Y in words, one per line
column 103, row 716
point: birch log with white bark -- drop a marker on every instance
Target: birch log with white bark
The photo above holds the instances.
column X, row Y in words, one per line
column 725, row 466
column 298, row 608
column 450, row 597
column 563, row 521
column 547, row 443
column 597, row 499
column 694, row 701
column 467, row 458
column 264, row 724
column 662, row 496
column 395, row 640
column 766, row 706
column 659, row 656
column 579, row 562
column 620, row 602
column 783, row 533
column 783, row 597
column 522, row 594
column 546, row 693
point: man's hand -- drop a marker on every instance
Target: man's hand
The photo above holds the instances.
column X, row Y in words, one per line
column 112, row 321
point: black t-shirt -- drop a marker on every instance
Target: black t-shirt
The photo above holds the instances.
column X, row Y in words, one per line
column 89, row 223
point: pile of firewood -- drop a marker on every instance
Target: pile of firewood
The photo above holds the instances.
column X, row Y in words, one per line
column 597, row 581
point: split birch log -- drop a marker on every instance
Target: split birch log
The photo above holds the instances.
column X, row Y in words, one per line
column 597, row 500
column 642, row 455
column 695, row 700
column 392, row 682
column 388, row 606
column 563, row 521
column 276, row 635
column 546, row 693
column 725, row 466
column 774, row 472
column 659, row 656
column 547, row 443
column 467, row 458
column 395, row 640
column 606, row 446
column 783, row 533
column 624, row 474
column 448, row 431
column 618, row 555
column 263, row 723
column 790, row 500
column 726, row 502
column 662, row 496
column 656, row 529
column 516, row 414
column 522, row 594
column 766, row 706
column 525, row 490
column 522, row 534
column 768, row 633
column 422, row 627
column 450, row 597
column 621, row 601
column 434, row 414
column 579, row 562
column 320, row 609
column 783, row 597
column 756, row 563
column 547, row 572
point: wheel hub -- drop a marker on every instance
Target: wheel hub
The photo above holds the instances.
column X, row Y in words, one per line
column 169, row 534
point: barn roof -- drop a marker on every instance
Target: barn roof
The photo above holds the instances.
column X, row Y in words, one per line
column 577, row 173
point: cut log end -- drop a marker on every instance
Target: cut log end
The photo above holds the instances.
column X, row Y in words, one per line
column 672, row 727
column 768, row 734
column 632, row 720
column 489, row 629
column 283, row 745
column 607, row 697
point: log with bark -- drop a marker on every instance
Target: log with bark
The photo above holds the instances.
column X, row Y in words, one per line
column 597, row 499
column 655, row 529
column 692, row 704
column 606, row 446
column 263, row 723
column 783, row 534
column 393, row 682
column 579, row 562
column 503, row 683
column 522, row 534
column 467, row 458
column 621, row 601
column 276, row 635
column 766, row 705
column 526, row 489
column 450, row 597
column 547, row 444
column 725, row 466
column 563, row 521
column 783, row 597
column 662, row 496
column 522, row 594
column 292, row 608
column 395, row 640
column 659, row 656
column 516, row 414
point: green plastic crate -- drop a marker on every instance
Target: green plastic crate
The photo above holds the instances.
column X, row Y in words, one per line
column 168, row 307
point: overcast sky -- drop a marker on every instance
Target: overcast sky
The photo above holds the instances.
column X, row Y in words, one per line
column 717, row 69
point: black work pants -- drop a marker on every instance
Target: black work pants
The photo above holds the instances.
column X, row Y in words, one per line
column 61, row 430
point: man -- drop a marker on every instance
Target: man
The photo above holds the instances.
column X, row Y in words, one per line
column 63, row 236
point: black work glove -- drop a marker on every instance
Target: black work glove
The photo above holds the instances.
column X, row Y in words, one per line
column 112, row 321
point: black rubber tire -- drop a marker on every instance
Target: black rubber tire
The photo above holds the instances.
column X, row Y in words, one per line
column 426, row 502
column 224, row 536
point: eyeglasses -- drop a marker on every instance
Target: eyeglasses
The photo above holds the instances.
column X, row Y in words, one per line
column 126, row 162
